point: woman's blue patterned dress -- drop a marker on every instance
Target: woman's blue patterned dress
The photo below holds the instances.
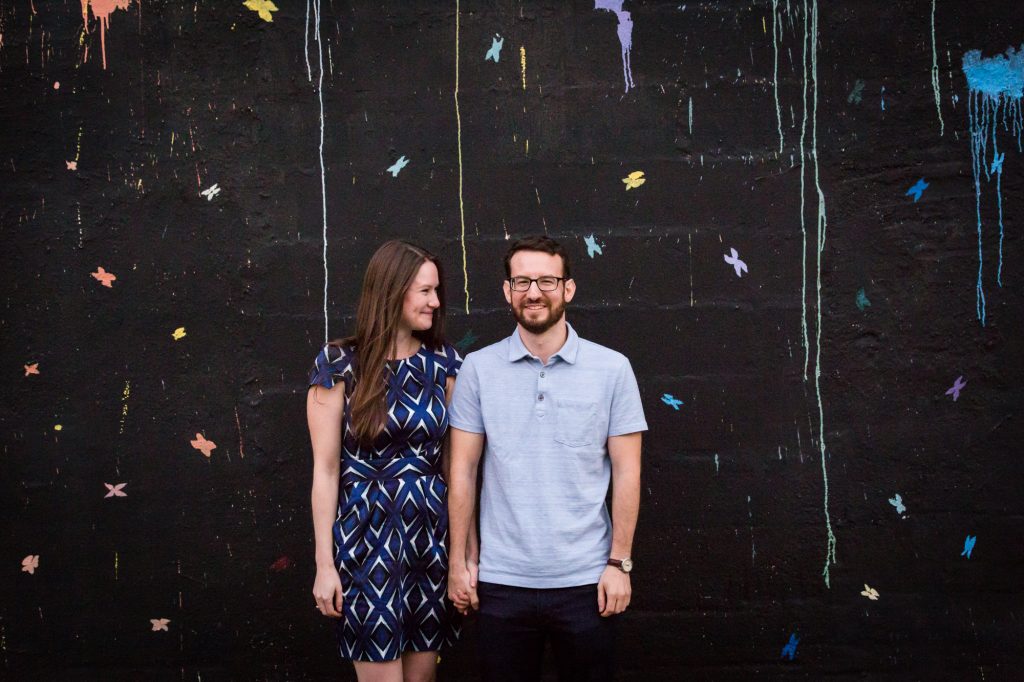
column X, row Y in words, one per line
column 391, row 532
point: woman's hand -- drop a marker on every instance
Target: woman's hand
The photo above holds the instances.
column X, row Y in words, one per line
column 327, row 591
column 462, row 587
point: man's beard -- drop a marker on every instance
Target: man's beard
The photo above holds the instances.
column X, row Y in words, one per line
column 554, row 315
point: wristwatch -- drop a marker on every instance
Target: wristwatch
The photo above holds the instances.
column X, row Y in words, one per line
column 624, row 565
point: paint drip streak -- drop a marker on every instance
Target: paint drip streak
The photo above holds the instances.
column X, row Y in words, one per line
column 803, row 227
column 822, row 224
column 776, row 31
column 458, row 133
column 323, row 170
column 935, row 77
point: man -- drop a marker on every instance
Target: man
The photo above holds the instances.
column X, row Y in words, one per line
column 559, row 416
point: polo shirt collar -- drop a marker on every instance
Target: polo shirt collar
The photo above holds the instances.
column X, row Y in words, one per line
column 568, row 351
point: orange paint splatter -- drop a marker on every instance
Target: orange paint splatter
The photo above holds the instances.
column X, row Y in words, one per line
column 32, row 369
column 56, row 85
column 102, row 9
column 30, row 563
column 159, row 624
column 105, row 278
column 203, row 445
column 72, row 165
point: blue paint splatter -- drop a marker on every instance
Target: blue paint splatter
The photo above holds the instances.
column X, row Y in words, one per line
column 790, row 648
column 592, row 246
column 995, row 90
column 862, row 300
column 917, row 190
column 969, row 545
column 397, row 166
column 625, row 32
column 883, row 98
column 671, row 401
column 494, row 54
column 897, row 502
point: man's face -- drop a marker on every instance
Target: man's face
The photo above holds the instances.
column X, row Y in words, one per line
column 535, row 310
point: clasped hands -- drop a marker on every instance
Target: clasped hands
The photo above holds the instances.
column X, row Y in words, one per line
column 462, row 587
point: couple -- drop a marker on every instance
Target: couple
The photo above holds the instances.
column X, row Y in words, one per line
column 551, row 416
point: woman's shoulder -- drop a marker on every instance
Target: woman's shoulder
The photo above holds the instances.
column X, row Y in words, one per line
column 334, row 360
column 448, row 357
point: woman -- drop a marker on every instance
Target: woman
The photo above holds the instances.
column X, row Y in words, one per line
column 377, row 412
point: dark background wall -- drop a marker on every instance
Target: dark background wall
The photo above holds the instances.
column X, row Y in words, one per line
column 103, row 167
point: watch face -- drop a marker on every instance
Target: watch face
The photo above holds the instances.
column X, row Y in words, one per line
column 627, row 565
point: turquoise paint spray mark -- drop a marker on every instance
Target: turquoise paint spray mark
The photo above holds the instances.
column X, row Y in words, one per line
column 935, row 77
column 862, row 300
column 592, row 246
column 995, row 90
column 494, row 54
column 883, row 98
column 690, row 117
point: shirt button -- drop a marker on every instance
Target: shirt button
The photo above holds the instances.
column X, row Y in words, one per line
column 542, row 375
column 541, row 397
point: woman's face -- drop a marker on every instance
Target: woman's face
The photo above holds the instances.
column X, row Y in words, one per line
column 421, row 299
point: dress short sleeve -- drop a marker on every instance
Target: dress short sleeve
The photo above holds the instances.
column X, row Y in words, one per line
column 333, row 363
column 450, row 359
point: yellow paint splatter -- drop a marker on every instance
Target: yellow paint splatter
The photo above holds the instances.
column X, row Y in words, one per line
column 124, row 404
column 178, row 333
column 263, row 8
column 764, row 26
column 634, row 180
column 58, row 427
column 522, row 63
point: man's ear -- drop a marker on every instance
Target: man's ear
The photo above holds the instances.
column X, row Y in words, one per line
column 507, row 288
column 570, row 289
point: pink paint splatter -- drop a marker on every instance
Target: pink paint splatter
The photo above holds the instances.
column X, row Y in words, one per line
column 102, row 9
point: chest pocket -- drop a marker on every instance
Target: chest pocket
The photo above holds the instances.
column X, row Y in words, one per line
column 576, row 420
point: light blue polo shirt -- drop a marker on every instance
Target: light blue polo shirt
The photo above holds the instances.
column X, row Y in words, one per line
column 543, row 518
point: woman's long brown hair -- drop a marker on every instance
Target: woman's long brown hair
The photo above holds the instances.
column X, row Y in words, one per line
column 388, row 276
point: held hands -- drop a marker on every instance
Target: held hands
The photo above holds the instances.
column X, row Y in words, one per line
column 462, row 587
column 613, row 592
column 327, row 591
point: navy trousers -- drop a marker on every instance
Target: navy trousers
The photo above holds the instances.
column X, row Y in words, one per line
column 515, row 623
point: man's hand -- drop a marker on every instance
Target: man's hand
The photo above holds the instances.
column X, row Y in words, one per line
column 613, row 591
column 462, row 587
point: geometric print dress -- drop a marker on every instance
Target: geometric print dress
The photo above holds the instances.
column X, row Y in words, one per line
column 391, row 530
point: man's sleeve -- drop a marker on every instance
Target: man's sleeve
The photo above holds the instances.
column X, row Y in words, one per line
column 627, row 411
column 464, row 412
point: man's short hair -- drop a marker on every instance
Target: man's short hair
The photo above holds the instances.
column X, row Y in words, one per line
column 541, row 243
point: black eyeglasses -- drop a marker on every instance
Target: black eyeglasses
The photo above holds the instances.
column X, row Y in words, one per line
column 546, row 283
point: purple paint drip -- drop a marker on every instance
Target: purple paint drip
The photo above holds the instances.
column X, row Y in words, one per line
column 625, row 33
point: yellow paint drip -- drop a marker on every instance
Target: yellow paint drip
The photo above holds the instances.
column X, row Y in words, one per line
column 522, row 63
column 178, row 333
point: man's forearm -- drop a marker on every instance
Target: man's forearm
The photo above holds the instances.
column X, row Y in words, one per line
column 625, row 508
column 461, row 500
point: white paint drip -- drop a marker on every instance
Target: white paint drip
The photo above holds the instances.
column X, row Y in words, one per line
column 458, row 120
column 776, row 32
column 323, row 170
column 822, row 224
column 935, row 77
